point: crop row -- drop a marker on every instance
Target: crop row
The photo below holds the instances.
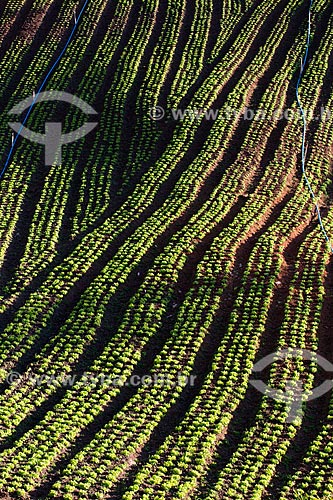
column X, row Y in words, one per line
column 314, row 477
column 190, row 443
column 18, row 180
column 192, row 60
column 185, row 133
column 9, row 15
column 162, row 219
column 16, row 183
column 283, row 228
column 48, row 219
column 248, row 320
column 146, row 132
column 265, row 444
column 219, row 249
column 215, row 208
column 113, row 114
column 76, row 339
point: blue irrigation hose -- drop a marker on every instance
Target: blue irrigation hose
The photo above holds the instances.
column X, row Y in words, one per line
column 303, row 63
column 41, row 88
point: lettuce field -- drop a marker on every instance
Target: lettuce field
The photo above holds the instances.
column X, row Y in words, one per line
column 166, row 231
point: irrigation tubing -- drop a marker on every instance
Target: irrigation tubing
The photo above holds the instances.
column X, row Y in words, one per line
column 303, row 63
column 55, row 64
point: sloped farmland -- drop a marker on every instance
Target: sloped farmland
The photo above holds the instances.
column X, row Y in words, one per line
column 158, row 263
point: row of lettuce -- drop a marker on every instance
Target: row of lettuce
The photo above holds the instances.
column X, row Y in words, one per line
column 275, row 205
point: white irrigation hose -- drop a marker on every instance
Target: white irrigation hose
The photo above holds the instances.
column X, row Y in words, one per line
column 303, row 63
